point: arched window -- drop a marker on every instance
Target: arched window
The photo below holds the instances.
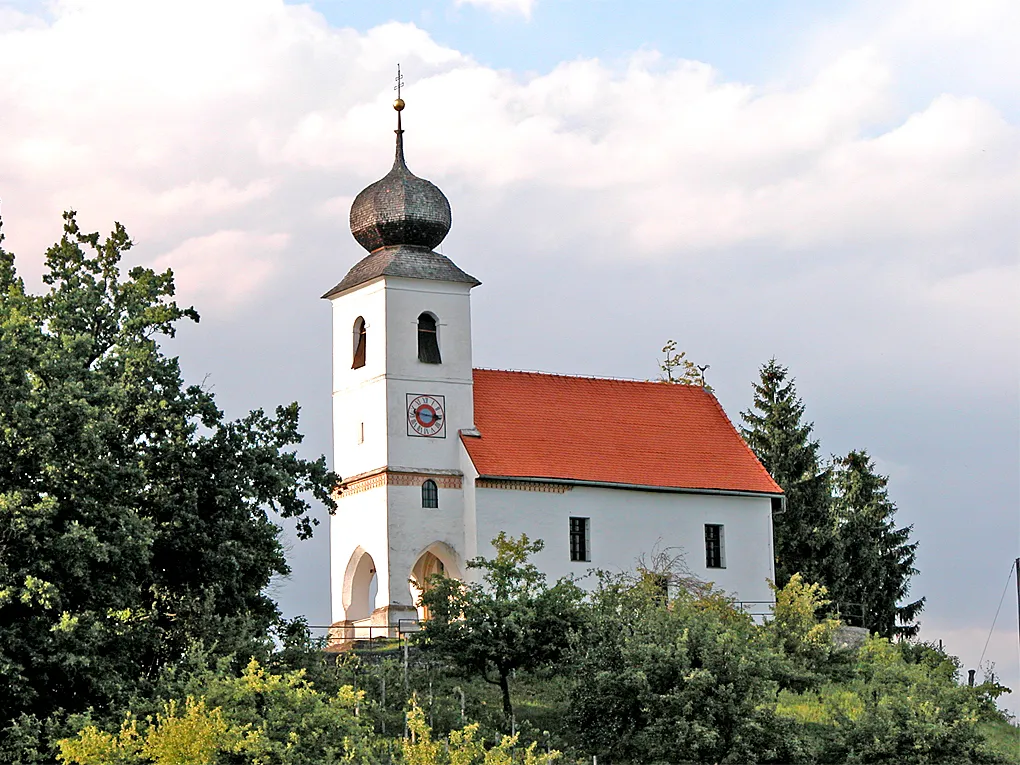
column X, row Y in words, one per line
column 428, row 340
column 429, row 494
column 359, row 343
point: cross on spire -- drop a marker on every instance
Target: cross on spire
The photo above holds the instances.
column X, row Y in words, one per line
column 399, row 103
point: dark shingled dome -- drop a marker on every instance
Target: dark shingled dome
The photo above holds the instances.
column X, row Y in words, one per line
column 400, row 209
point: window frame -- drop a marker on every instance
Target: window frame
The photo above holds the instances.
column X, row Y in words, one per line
column 429, row 494
column 715, row 545
column 579, row 529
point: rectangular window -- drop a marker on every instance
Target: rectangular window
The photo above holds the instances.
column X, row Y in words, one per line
column 714, row 546
column 361, row 432
column 580, row 547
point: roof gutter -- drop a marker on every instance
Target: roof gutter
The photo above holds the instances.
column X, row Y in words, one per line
column 634, row 487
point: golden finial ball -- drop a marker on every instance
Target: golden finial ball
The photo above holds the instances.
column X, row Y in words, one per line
column 399, row 104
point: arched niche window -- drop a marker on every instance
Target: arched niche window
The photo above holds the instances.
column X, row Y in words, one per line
column 428, row 340
column 359, row 343
column 429, row 494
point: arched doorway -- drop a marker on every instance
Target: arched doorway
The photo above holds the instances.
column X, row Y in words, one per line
column 360, row 586
column 437, row 558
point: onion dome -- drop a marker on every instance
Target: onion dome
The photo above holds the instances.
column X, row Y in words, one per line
column 399, row 220
column 400, row 208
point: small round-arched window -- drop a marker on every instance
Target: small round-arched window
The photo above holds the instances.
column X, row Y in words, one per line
column 428, row 340
column 429, row 494
column 360, row 339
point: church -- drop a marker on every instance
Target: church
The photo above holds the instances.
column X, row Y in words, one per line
column 438, row 457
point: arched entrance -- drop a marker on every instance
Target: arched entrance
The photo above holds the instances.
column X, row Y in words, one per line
column 360, row 586
column 437, row 558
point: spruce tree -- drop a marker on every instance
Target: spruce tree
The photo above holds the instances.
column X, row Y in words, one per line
column 775, row 430
column 875, row 559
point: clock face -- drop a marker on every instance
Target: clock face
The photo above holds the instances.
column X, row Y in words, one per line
column 426, row 416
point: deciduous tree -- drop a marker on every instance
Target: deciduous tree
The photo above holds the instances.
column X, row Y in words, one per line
column 683, row 679
column 135, row 519
column 509, row 620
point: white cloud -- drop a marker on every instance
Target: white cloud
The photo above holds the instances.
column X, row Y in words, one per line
column 220, row 270
column 522, row 7
column 195, row 118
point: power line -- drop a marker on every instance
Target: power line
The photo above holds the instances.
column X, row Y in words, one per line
column 1008, row 577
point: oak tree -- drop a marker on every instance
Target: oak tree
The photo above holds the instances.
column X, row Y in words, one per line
column 135, row 520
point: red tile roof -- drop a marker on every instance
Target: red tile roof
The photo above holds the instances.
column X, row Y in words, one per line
column 608, row 431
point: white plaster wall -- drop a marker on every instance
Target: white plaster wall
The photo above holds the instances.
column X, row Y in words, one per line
column 414, row 528
column 359, row 395
column 627, row 524
column 406, row 299
column 360, row 520
column 470, row 520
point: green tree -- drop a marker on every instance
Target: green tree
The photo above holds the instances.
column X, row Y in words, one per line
column 875, row 557
column 795, row 623
column 804, row 637
column 134, row 519
column 510, row 620
column 775, row 430
column 687, row 679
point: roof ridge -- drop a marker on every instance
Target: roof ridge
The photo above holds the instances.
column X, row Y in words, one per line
column 541, row 373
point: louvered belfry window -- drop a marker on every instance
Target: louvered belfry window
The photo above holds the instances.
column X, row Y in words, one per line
column 359, row 343
column 428, row 340
column 429, row 494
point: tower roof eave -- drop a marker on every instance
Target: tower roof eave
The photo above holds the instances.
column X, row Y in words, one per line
column 405, row 261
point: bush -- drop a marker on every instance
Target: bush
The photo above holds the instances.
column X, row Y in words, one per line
column 258, row 717
column 903, row 705
column 680, row 680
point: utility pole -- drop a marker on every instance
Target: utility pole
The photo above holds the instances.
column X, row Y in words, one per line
column 1016, row 570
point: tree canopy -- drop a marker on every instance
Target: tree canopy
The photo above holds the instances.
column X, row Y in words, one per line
column 775, row 430
column 838, row 528
column 135, row 520
column 875, row 557
column 509, row 620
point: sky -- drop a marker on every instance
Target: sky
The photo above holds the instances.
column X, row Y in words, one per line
column 836, row 185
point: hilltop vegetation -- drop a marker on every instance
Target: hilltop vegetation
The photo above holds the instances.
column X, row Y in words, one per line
column 647, row 677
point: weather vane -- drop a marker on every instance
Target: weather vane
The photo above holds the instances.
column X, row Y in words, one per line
column 399, row 103
column 702, row 369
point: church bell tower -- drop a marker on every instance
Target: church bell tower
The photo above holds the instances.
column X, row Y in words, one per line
column 402, row 394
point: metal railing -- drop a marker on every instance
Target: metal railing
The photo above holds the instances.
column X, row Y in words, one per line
column 343, row 633
column 756, row 607
column 851, row 614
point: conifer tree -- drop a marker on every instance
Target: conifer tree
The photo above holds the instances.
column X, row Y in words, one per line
column 775, row 430
column 875, row 558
